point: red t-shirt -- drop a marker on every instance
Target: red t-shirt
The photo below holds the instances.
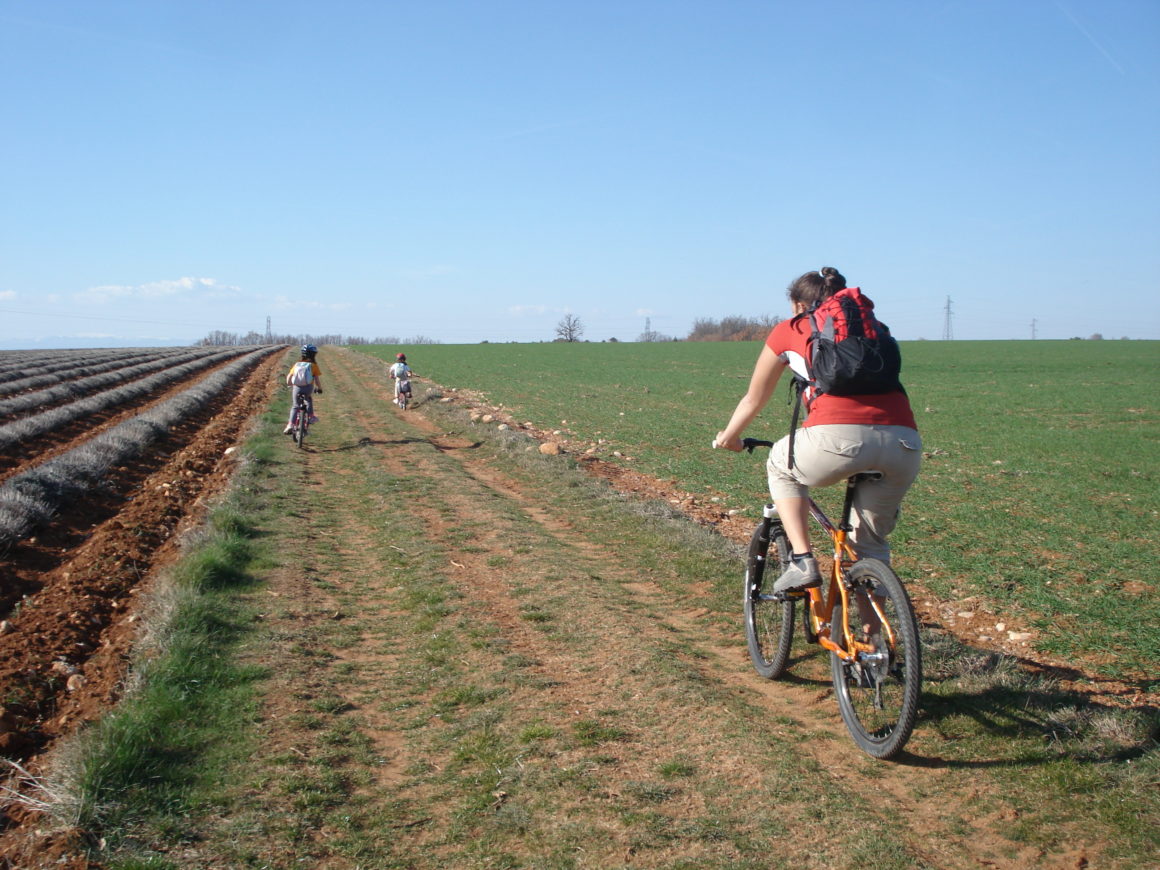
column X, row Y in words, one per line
column 788, row 340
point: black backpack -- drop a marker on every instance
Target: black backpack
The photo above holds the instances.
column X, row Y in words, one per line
column 849, row 352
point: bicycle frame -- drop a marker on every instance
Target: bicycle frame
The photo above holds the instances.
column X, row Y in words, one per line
column 302, row 408
column 821, row 606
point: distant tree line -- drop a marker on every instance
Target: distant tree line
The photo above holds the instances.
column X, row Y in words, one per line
column 735, row 328
column 218, row 338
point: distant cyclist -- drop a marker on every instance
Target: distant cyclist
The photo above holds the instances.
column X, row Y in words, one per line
column 305, row 377
column 401, row 375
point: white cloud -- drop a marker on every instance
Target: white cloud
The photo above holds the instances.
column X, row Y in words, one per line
column 195, row 288
column 7, row 295
column 644, row 312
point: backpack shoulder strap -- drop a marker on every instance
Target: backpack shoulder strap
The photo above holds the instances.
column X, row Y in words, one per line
column 797, row 410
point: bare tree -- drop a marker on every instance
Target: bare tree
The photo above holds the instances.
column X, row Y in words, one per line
column 569, row 328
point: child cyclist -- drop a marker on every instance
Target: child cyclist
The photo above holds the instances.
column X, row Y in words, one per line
column 401, row 375
column 304, row 377
column 842, row 435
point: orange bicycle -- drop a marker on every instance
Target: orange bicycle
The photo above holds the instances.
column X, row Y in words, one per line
column 863, row 616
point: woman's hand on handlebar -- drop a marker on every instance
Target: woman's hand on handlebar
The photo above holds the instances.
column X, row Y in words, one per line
column 733, row 443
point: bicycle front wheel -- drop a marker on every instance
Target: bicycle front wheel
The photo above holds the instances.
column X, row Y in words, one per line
column 878, row 693
column 768, row 623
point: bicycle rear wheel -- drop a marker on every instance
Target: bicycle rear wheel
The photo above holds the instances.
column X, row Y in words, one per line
column 768, row 623
column 878, row 694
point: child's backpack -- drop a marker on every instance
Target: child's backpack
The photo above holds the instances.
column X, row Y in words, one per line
column 302, row 374
column 849, row 353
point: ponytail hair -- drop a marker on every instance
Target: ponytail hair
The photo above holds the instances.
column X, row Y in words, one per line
column 815, row 287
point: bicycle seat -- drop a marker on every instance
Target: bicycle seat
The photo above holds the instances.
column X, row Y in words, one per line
column 869, row 475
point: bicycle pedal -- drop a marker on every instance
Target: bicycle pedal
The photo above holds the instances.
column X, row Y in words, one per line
column 782, row 597
column 795, row 594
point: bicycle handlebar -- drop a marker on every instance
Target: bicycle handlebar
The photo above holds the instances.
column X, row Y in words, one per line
column 748, row 443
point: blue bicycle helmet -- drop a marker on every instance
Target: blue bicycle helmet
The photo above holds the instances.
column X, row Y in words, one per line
column 309, row 350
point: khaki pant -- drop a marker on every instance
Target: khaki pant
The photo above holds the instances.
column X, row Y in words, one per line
column 824, row 455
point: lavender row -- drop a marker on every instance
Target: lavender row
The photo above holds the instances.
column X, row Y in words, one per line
column 78, row 389
column 18, row 390
column 29, row 500
column 52, row 419
column 31, row 367
column 17, row 360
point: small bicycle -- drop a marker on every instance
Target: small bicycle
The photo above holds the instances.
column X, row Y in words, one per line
column 863, row 617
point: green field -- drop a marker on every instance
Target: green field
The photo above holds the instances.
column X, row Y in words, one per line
column 1039, row 493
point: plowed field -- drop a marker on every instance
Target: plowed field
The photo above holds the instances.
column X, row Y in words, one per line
column 67, row 594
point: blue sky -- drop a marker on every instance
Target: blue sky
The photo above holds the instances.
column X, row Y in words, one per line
column 471, row 171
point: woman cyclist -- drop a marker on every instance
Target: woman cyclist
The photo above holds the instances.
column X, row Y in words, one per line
column 842, row 435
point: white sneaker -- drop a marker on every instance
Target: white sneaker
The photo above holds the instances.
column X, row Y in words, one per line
column 801, row 574
column 288, row 430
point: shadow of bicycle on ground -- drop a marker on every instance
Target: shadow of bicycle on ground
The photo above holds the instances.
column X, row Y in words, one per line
column 992, row 713
column 364, row 443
